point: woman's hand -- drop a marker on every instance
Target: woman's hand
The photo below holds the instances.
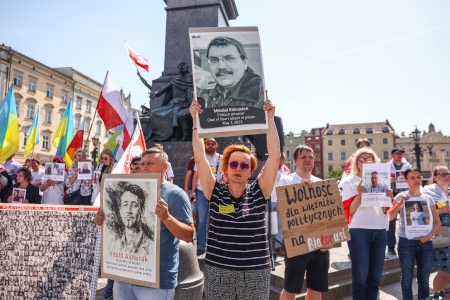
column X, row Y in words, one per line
column 9, row 199
column 195, row 108
column 390, row 193
column 361, row 188
column 422, row 239
column 99, row 218
column 25, row 201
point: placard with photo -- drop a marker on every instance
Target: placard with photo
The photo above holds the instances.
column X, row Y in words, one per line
column 228, row 80
column 19, row 195
column 376, row 180
column 418, row 217
column 54, row 171
column 130, row 237
column 85, row 170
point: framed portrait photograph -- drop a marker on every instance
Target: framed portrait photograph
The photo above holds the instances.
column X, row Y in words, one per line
column 228, row 80
column 377, row 181
column 130, row 234
column 418, row 218
column 85, row 170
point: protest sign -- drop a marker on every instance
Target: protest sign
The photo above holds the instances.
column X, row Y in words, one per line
column 311, row 216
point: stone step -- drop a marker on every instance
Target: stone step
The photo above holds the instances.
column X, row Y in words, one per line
column 339, row 279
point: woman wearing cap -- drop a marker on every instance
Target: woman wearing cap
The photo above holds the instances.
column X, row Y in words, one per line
column 237, row 263
column 53, row 191
column 74, row 184
column 439, row 192
column 417, row 250
column 367, row 227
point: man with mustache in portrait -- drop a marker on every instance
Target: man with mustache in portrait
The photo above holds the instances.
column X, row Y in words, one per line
column 237, row 84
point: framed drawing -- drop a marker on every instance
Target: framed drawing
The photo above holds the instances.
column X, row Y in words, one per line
column 228, row 80
column 130, row 234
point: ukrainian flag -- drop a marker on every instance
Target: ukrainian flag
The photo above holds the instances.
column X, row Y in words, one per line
column 64, row 134
column 9, row 126
column 33, row 134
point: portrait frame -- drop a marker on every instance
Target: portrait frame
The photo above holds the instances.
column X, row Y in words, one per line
column 225, row 119
column 19, row 195
column 137, row 262
column 373, row 196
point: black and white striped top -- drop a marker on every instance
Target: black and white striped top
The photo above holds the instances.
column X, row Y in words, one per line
column 237, row 237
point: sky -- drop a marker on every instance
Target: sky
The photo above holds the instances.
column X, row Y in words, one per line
column 325, row 61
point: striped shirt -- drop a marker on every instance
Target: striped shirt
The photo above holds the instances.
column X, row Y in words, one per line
column 237, row 237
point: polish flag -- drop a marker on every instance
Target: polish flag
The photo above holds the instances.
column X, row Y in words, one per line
column 110, row 107
column 135, row 148
column 77, row 142
column 138, row 59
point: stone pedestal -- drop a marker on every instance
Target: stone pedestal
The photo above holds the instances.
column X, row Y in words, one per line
column 182, row 14
column 190, row 278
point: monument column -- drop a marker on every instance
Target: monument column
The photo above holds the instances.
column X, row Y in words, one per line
column 182, row 14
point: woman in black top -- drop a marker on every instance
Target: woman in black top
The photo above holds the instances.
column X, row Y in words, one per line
column 23, row 179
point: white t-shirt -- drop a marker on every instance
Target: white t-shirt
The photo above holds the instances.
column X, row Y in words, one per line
column 54, row 194
column 169, row 172
column 36, row 176
column 212, row 160
column 364, row 217
column 292, row 178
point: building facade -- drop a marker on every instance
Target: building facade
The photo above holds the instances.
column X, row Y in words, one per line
column 291, row 141
column 36, row 84
column 339, row 142
column 314, row 141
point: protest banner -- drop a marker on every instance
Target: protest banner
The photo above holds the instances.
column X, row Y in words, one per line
column 48, row 252
column 311, row 216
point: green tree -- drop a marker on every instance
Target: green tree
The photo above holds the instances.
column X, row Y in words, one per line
column 336, row 173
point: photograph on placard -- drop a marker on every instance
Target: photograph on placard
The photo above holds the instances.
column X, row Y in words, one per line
column 19, row 195
column 376, row 181
column 419, row 219
column 131, row 235
column 228, row 80
column 85, row 170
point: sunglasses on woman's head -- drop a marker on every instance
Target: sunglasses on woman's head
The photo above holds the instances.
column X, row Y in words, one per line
column 234, row 164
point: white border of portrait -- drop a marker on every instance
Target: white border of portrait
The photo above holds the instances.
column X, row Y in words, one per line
column 142, row 269
column 246, row 120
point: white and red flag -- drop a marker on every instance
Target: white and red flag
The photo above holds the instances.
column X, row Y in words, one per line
column 135, row 148
column 77, row 142
column 138, row 59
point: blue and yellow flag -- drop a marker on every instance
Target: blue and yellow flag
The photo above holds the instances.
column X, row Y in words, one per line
column 64, row 134
column 9, row 126
column 33, row 134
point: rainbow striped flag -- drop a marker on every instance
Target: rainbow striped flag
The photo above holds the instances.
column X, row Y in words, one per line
column 9, row 126
column 33, row 134
column 64, row 134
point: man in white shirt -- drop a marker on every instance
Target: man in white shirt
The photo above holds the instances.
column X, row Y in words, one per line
column 36, row 173
column 315, row 264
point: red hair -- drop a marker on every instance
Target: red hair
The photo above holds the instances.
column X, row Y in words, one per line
column 237, row 148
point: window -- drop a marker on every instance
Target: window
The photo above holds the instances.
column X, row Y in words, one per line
column 330, row 168
column 447, row 153
column 385, row 154
column 317, row 170
column 86, row 125
column 64, row 97
column 49, row 92
column 385, row 129
column 25, row 139
column 330, row 143
column 343, row 156
column 32, row 85
column 433, row 152
column 98, row 129
column 88, row 106
column 79, row 101
column 369, row 130
column 371, row 141
column 77, row 122
column 385, row 140
column 356, row 131
column 30, row 111
column 317, row 150
column 330, row 132
column 341, row 131
column 288, row 153
column 18, row 80
column 17, row 108
column 342, row 142
column 330, row 156
column 46, row 142
column 47, row 116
